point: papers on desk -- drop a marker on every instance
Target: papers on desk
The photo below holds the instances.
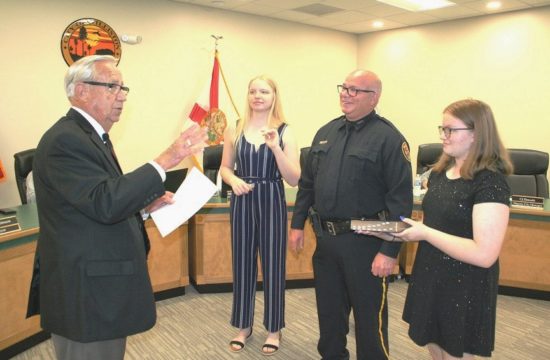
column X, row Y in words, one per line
column 193, row 193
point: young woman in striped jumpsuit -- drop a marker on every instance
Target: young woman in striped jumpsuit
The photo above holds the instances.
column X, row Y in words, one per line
column 265, row 152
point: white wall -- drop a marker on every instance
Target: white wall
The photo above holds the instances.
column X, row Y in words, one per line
column 502, row 59
column 165, row 73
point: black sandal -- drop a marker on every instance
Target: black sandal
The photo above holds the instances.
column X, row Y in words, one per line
column 238, row 343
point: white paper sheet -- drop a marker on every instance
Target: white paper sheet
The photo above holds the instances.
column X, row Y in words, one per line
column 193, row 193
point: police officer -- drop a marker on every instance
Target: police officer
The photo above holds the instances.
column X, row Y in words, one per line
column 358, row 167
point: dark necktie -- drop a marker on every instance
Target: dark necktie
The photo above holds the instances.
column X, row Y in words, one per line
column 139, row 219
column 336, row 157
column 109, row 145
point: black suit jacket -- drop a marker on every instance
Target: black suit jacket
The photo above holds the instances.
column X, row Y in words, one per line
column 94, row 283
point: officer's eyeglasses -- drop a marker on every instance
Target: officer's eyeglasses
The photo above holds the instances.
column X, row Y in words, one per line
column 448, row 131
column 113, row 88
column 351, row 90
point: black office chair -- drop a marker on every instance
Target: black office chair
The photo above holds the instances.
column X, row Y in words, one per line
column 428, row 154
column 23, row 166
column 211, row 161
column 529, row 177
column 174, row 178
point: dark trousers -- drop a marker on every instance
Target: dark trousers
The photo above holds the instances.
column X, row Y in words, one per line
column 344, row 282
column 66, row 349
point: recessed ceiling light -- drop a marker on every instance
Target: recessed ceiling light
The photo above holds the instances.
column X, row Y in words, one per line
column 377, row 24
column 418, row 5
column 493, row 5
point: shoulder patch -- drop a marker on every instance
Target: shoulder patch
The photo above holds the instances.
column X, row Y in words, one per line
column 406, row 151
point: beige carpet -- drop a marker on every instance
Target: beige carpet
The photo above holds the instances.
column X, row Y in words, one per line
column 196, row 326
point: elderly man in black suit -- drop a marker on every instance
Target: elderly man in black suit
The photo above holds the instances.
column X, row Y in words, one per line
column 94, row 284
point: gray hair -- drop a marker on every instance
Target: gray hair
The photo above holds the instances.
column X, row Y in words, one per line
column 83, row 70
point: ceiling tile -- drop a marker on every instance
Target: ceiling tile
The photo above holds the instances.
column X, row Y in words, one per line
column 410, row 18
column 256, row 9
column 537, row 2
column 358, row 14
column 322, row 21
column 346, row 17
column 382, row 10
column 507, row 5
column 350, row 4
column 454, row 12
column 286, row 4
column 292, row 15
column 366, row 26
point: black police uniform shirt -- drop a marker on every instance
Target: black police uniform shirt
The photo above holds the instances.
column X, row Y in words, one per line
column 355, row 170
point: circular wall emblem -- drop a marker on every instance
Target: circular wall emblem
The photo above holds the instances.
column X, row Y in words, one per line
column 89, row 37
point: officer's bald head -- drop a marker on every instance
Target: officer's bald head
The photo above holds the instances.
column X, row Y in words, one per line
column 369, row 78
column 366, row 98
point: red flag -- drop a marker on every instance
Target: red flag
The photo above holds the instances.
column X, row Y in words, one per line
column 2, row 172
column 206, row 110
column 202, row 107
column 214, row 83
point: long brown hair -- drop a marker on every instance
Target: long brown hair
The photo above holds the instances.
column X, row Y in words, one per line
column 276, row 116
column 487, row 150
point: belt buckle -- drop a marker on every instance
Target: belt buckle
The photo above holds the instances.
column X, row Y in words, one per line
column 330, row 228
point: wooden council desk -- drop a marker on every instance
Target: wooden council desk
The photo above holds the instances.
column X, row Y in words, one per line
column 168, row 269
column 210, row 267
column 524, row 257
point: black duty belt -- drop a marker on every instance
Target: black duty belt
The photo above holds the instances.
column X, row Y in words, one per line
column 336, row 227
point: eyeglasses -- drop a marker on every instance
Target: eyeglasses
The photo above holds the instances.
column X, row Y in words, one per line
column 112, row 87
column 351, row 90
column 447, row 131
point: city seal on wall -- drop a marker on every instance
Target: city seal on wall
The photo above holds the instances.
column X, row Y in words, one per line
column 89, row 36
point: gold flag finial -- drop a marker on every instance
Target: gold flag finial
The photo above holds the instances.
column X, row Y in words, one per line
column 216, row 38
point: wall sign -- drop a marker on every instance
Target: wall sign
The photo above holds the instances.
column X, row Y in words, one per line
column 89, row 36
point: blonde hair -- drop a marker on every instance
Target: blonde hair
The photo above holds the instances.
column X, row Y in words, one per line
column 487, row 151
column 276, row 116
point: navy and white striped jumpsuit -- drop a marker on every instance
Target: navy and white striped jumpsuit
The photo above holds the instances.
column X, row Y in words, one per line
column 259, row 222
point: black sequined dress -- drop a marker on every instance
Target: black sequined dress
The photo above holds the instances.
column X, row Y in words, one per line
column 451, row 303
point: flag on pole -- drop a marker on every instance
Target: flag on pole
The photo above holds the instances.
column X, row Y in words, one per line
column 2, row 172
column 206, row 112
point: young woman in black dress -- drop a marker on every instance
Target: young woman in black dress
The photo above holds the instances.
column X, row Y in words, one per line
column 452, row 295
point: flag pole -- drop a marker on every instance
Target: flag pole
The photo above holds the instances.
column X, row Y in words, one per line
column 227, row 87
column 193, row 157
column 198, row 112
column 216, row 38
column 196, row 163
